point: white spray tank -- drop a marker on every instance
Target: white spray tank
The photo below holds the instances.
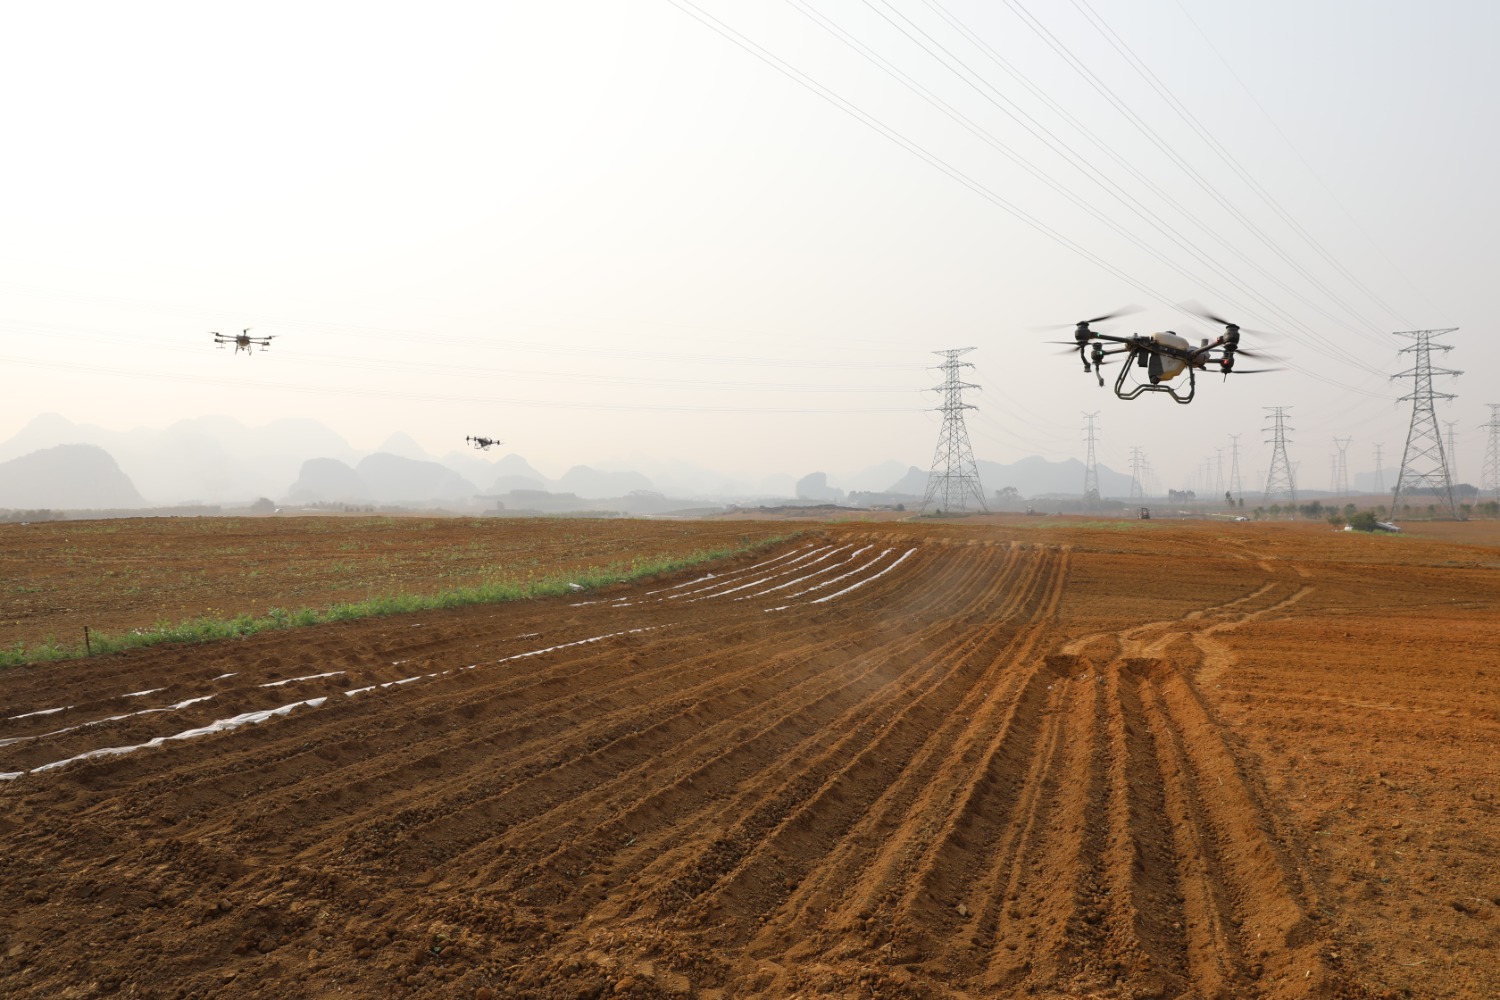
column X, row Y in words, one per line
column 1163, row 368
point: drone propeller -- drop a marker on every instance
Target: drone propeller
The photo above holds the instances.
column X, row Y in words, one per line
column 1202, row 313
column 1251, row 371
column 1124, row 311
column 1257, row 353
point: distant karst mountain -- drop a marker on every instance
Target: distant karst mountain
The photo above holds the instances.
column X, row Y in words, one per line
column 327, row 480
column 1032, row 476
column 213, row 459
column 393, row 479
column 587, row 482
column 402, row 444
column 814, row 486
column 221, row 460
column 66, row 477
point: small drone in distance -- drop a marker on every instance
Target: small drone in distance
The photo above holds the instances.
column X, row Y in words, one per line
column 242, row 341
column 483, row 443
column 1164, row 355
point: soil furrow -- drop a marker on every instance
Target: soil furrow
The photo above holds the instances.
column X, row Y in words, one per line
column 899, row 737
column 1019, row 758
column 880, row 844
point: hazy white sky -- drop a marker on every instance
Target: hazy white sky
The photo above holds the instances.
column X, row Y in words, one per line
column 602, row 229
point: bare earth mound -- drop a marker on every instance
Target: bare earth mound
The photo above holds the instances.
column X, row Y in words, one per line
column 977, row 760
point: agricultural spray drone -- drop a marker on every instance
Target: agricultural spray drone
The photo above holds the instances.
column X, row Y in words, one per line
column 243, row 341
column 1164, row 356
column 483, row 443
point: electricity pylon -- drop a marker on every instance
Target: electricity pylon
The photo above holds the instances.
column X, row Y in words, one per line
column 1423, row 462
column 1234, row 466
column 954, row 478
column 1490, row 478
column 1452, row 454
column 1341, row 468
column 1379, row 472
column 1090, row 469
column 1281, row 481
column 1137, row 470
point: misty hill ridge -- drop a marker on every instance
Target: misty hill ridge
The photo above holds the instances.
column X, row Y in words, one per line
column 76, row 476
column 218, row 459
column 1031, row 476
column 327, row 480
column 394, row 479
column 212, row 459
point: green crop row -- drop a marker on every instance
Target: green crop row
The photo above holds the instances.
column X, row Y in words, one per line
column 209, row 629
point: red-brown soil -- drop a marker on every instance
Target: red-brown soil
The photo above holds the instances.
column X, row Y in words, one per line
column 983, row 759
column 56, row 577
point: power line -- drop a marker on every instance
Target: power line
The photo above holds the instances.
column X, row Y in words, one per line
column 697, row 13
column 1332, row 195
column 490, row 343
column 1151, row 134
column 1229, row 159
column 1081, row 163
column 433, row 397
column 760, row 52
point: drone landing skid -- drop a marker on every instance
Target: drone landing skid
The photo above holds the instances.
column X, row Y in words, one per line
column 1141, row 387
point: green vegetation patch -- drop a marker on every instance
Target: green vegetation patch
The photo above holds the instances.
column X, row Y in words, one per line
column 209, row 629
column 1120, row 525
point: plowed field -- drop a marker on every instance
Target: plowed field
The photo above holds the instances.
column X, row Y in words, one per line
column 898, row 760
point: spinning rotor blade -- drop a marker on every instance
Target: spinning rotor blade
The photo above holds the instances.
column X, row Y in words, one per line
column 1124, row 311
column 1262, row 356
column 1202, row 313
column 1251, row 371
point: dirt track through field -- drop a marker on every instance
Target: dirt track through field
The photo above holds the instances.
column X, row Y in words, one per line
column 879, row 763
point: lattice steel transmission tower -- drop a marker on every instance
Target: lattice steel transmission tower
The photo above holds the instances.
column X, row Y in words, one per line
column 1379, row 472
column 1281, row 481
column 1423, row 462
column 1137, row 472
column 1489, row 479
column 1090, row 467
column 1452, row 454
column 1234, row 467
column 1341, row 467
column 954, row 478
